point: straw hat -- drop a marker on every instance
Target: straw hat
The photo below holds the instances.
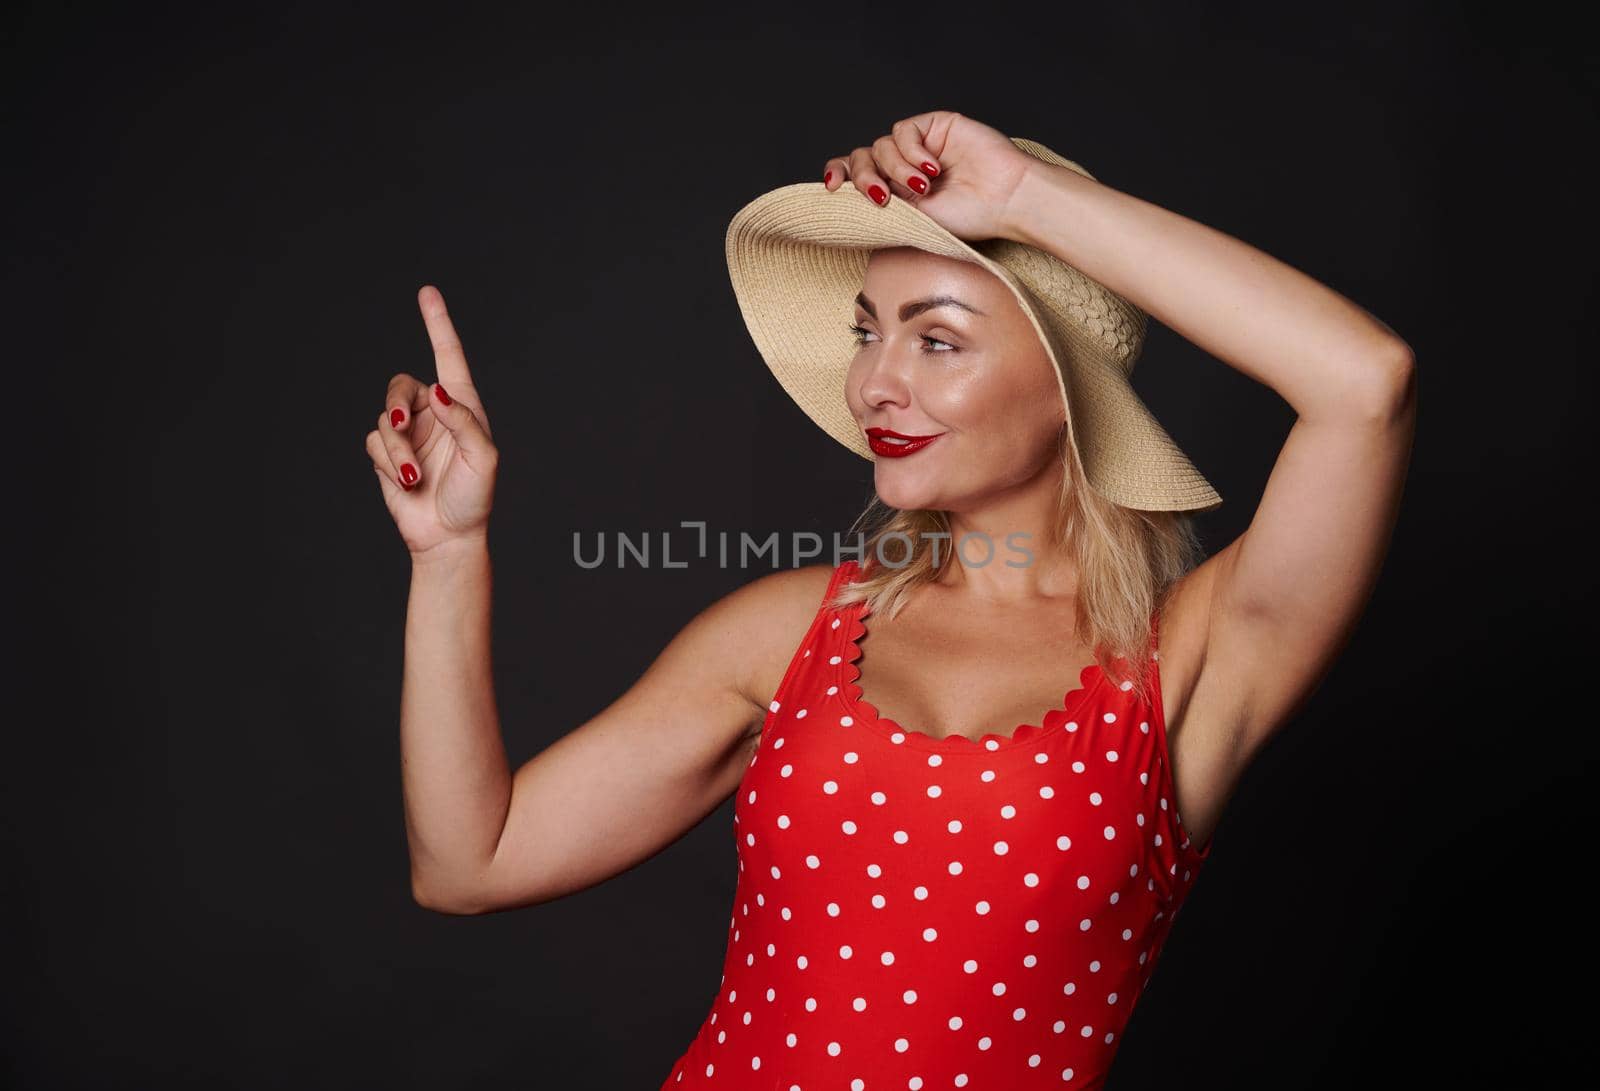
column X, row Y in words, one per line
column 797, row 256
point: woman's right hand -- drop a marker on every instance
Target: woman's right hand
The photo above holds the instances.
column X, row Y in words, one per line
column 432, row 451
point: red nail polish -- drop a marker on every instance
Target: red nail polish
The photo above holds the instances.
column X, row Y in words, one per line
column 826, row 178
column 929, row 168
column 439, row 390
column 408, row 475
column 397, row 417
column 918, row 183
column 877, row 194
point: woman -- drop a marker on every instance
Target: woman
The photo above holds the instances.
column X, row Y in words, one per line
column 928, row 900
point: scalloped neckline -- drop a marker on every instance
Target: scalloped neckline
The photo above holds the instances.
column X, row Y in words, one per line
column 851, row 695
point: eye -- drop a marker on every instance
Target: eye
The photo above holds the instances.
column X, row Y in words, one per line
column 861, row 339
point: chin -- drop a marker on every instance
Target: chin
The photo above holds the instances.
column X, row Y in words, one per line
column 901, row 491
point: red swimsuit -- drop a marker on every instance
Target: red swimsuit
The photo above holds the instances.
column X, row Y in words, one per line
column 924, row 913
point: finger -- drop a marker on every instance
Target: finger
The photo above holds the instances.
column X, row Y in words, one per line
column 402, row 456
column 404, row 396
column 864, row 173
column 468, row 397
column 382, row 460
column 386, row 483
column 908, row 138
column 469, row 432
column 835, row 173
column 389, row 461
column 903, row 177
column 450, row 360
column 380, row 455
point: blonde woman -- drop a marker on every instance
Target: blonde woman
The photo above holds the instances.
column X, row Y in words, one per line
column 929, row 897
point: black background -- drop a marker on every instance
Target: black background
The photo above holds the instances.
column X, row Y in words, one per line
column 220, row 220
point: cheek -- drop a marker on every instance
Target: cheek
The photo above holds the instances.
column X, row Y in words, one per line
column 984, row 404
column 1019, row 418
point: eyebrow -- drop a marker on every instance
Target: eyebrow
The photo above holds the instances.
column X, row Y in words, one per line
column 910, row 310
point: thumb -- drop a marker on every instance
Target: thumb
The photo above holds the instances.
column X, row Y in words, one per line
column 462, row 423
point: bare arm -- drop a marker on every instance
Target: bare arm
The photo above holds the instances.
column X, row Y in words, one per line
column 619, row 788
column 453, row 768
column 611, row 793
column 1273, row 609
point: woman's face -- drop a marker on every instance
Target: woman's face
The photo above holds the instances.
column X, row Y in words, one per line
column 980, row 382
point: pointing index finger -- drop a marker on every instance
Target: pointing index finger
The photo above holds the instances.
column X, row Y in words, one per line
column 450, row 360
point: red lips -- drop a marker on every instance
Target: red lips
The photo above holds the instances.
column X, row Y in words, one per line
column 891, row 444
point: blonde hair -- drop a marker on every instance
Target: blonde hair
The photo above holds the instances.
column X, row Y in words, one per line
column 1128, row 561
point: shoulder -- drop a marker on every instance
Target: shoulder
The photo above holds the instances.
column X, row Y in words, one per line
column 766, row 620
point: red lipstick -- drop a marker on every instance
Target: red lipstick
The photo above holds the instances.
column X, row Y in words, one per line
column 891, row 444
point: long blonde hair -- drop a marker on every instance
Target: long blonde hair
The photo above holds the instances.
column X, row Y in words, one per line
column 1128, row 561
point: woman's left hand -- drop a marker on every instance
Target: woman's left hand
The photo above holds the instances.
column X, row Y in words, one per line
column 959, row 171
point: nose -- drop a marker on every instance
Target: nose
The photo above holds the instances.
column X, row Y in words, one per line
column 887, row 377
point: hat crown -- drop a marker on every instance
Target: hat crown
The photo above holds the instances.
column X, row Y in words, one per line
column 1111, row 322
column 1104, row 317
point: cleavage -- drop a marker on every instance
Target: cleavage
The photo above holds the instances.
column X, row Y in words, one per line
column 955, row 677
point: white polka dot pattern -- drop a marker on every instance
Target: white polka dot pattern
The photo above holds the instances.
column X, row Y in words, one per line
column 916, row 912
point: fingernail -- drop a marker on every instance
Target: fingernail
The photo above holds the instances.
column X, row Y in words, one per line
column 439, row 390
column 929, row 168
column 397, row 417
column 918, row 183
column 877, row 194
column 828, row 177
column 408, row 475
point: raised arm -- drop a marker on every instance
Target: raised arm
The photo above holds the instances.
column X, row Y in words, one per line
column 620, row 787
column 1256, row 627
column 634, row 778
